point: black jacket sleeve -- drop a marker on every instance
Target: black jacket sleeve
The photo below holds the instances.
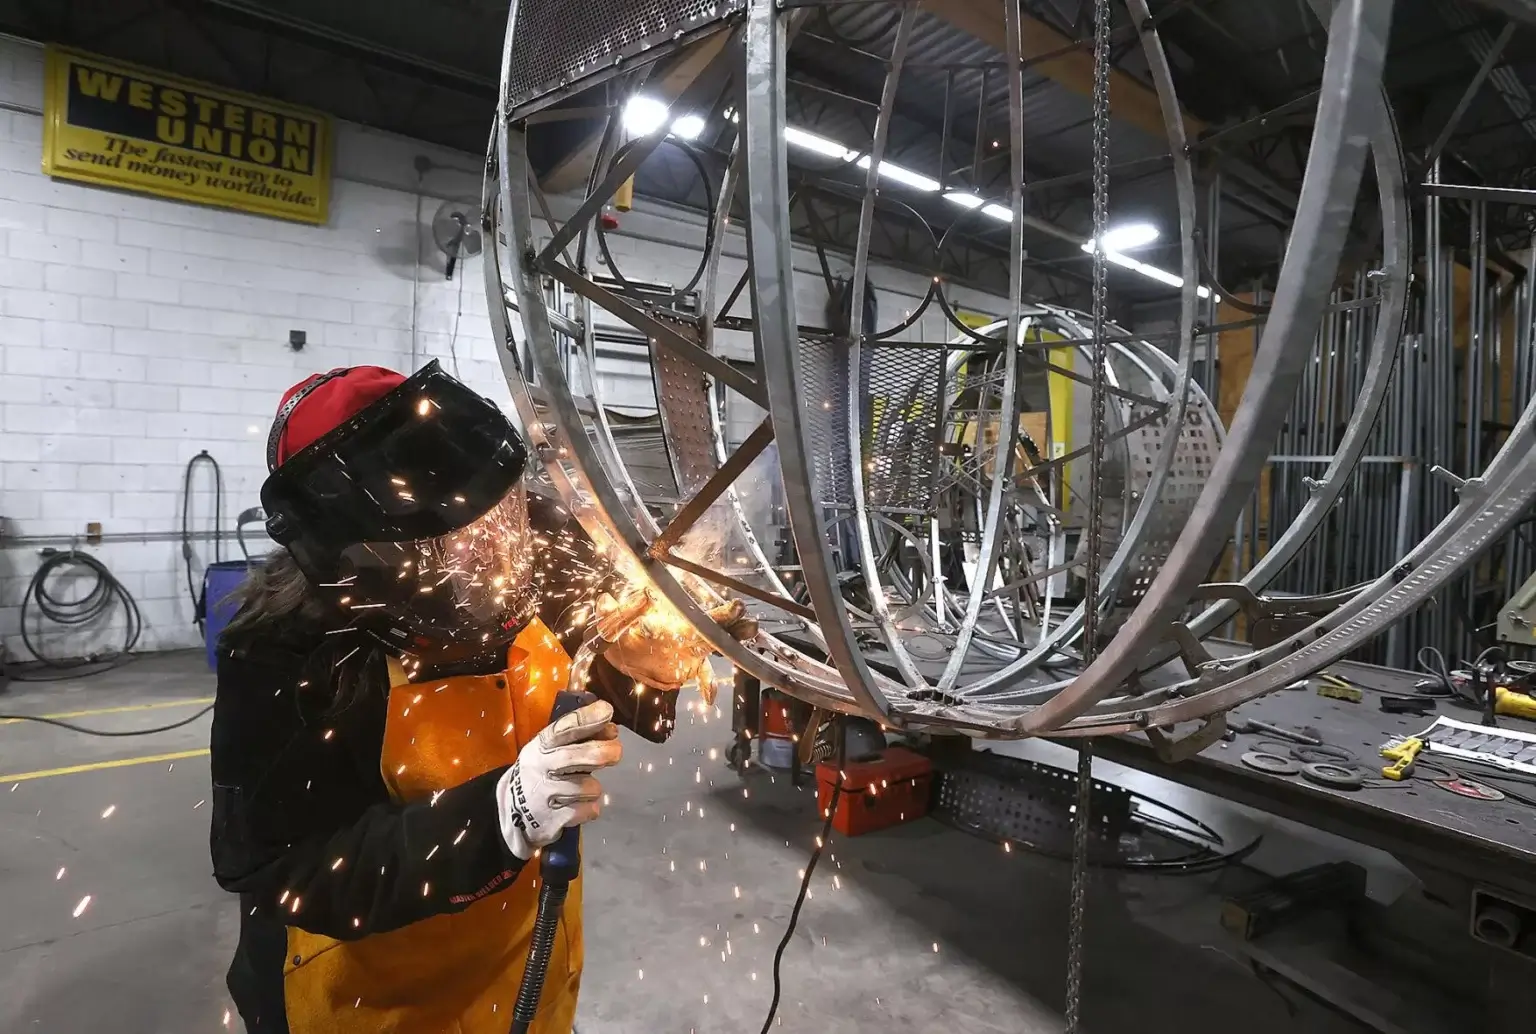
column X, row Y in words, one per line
column 303, row 826
column 571, row 574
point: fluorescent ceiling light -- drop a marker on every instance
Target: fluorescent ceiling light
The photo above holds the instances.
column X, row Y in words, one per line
column 892, row 171
column 1132, row 235
column 644, row 115
column 1162, row 276
column 907, row 177
column 688, row 127
column 817, row 144
column 1151, row 272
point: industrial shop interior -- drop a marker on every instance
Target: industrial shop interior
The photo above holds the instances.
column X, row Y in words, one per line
column 818, row 516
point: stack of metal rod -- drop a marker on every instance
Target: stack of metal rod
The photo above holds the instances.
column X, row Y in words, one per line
column 1466, row 369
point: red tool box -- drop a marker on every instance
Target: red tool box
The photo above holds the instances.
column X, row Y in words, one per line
column 886, row 790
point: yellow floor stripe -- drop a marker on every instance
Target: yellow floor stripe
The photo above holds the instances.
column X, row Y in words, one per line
column 194, row 702
column 96, row 766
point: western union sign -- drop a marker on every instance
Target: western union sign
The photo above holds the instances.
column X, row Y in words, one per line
column 119, row 126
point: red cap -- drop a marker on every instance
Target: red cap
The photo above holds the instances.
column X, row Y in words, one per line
column 342, row 395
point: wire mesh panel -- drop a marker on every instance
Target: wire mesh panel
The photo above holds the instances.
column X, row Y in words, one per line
column 900, row 392
column 825, row 376
column 561, row 44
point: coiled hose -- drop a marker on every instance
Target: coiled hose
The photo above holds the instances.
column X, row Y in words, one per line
column 74, row 612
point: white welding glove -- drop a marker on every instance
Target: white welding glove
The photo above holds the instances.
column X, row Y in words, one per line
column 551, row 785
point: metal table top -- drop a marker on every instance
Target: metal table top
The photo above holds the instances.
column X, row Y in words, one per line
column 1416, row 820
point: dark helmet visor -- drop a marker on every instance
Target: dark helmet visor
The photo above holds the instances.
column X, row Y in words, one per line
column 427, row 459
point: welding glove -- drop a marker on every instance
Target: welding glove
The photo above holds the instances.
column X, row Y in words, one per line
column 657, row 647
column 551, row 785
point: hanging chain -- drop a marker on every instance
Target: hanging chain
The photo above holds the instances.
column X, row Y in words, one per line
column 1095, row 530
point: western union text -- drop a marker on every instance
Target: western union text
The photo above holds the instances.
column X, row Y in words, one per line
column 190, row 120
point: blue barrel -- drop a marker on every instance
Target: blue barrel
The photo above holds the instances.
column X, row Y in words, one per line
column 219, row 581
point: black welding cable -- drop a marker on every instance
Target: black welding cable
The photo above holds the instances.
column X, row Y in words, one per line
column 1193, row 863
column 103, row 732
column 79, row 611
column 805, row 881
column 197, row 593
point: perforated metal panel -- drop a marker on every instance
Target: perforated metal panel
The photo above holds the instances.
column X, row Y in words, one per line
column 557, row 44
column 900, row 392
column 684, row 398
column 825, row 376
column 1016, row 799
column 1197, row 447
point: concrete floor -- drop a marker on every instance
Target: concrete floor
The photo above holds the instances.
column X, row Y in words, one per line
column 910, row 930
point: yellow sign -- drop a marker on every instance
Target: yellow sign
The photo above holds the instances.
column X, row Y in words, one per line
column 116, row 125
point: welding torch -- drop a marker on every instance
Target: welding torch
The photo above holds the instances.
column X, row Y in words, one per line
column 560, row 862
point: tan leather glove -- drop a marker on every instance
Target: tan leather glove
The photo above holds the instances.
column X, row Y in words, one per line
column 656, row 646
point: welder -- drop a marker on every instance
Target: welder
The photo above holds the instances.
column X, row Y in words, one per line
column 383, row 765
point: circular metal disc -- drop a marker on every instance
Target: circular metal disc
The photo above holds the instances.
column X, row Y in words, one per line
column 1337, row 777
column 1470, row 788
column 1272, row 763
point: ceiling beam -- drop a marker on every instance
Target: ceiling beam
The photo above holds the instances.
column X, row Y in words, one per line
column 254, row 15
column 1063, row 60
column 666, row 82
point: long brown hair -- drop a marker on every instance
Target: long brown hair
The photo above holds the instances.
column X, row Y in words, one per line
column 277, row 607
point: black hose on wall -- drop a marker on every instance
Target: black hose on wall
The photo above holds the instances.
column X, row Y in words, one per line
column 70, row 613
column 195, row 591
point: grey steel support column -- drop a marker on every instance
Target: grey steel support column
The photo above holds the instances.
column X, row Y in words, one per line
column 1397, row 653
column 1211, row 239
column 1473, row 366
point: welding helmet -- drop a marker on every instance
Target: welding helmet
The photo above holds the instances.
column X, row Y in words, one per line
column 401, row 500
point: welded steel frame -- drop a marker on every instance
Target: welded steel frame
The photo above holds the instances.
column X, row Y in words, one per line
column 1158, row 367
column 1114, row 570
column 864, row 533
column 1357, row 43
column 571, row 460
column 1352, row 116
column 1396, row 269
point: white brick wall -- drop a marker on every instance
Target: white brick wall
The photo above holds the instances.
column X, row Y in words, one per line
column 136, row 332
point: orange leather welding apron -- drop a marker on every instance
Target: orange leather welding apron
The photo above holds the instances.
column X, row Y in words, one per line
column 449, row 974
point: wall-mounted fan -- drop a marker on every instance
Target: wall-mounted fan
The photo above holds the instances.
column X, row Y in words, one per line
column 456, row 229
